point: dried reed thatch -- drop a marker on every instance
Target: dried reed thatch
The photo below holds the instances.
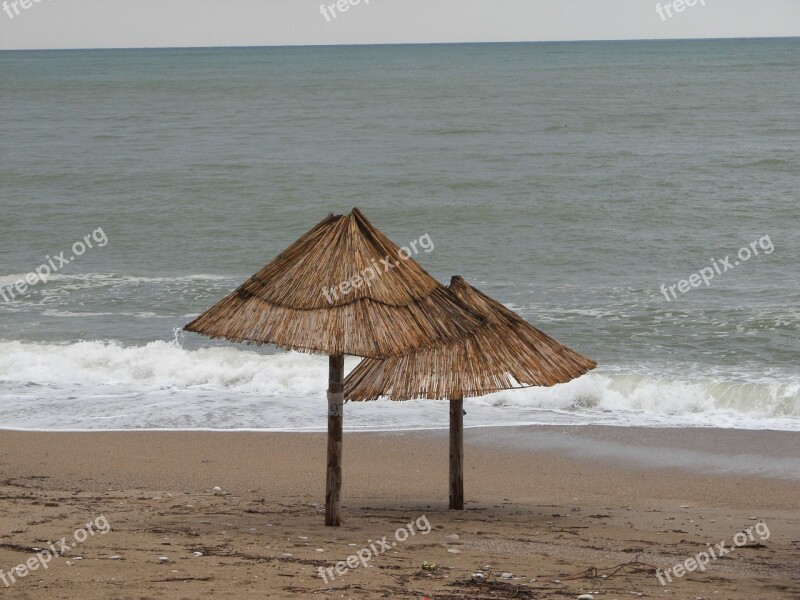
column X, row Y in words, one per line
column 504, row 353
column 402, row 309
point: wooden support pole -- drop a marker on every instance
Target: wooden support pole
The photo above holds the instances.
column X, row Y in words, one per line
column 457, row 454
column 333, row 484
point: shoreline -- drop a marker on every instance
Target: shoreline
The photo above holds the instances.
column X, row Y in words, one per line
column 693, row 449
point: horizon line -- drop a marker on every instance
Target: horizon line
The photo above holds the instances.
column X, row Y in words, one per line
column 370, row 44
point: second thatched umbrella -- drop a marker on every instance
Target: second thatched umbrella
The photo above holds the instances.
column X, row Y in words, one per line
column 504, row 353
column 342, row 288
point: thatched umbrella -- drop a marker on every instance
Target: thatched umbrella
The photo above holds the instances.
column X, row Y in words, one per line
column 342, row 288
column 504, row 353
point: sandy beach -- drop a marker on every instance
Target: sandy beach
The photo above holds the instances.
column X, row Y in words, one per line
column 551, row 513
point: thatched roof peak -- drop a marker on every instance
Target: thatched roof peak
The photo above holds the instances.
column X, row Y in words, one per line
column 334, row 256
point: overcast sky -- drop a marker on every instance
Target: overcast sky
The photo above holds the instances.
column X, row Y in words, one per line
column 159, row 23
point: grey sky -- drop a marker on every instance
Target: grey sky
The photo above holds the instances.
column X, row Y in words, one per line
column 153, row 23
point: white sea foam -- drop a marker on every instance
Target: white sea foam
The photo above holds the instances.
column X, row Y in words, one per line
column 13, row 278
column 106, row 385
column 159, row 366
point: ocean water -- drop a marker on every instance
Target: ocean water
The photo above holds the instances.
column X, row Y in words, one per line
column 570, row 181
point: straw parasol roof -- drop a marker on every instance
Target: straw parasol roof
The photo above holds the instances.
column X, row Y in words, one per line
column 298, row 301
column 505, row 352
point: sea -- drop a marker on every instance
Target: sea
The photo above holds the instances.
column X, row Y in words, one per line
column 578, row 183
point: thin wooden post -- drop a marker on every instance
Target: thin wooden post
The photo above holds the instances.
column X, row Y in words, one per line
column 457, row 453
column 333, row 483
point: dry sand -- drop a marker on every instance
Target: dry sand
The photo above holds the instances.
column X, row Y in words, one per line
column 557, row 508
